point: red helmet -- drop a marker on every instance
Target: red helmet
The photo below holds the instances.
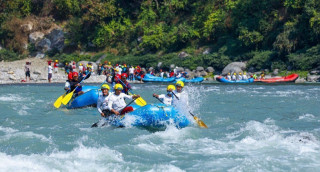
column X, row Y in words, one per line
column 124, row 75
column 75, row 74
column 70, row 76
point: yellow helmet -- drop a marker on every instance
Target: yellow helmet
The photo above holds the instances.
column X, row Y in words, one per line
column 171, row 87
column 80, row 64
column 105, row 86
column 56, row 60
column 228, row 73
column 239, row 73
column 244, row 72
column 180, row 83
column 234, row 74
column 109, row 63
column 118, row 87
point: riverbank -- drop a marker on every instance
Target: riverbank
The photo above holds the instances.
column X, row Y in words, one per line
column 13, row 73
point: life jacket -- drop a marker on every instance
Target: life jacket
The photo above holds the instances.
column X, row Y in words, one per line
column 73, row 86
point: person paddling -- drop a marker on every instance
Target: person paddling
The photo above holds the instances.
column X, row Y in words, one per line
column 166, row 98
column 116, row 102
column 75, row 83
column 67, row 84
column 124, row 83
column 103, row 100
column 182, row 96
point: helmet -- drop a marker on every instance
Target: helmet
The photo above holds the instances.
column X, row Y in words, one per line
column 244, row 72
column 118, row 87
column 109, row 63
column 239, row 73
column 171, row 87
column 234, row 74
column 124, row 75
column 80, row 64
column 180, row 83
column 70, row 76
column 228, row 73
column 56, row 60
column 74, row 74
column 105, row 86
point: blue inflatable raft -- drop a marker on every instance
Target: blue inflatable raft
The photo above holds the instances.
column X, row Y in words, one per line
column 89, row 98
column 194, row 80
column 224, row 80
column 151, row 115
column 151, row 78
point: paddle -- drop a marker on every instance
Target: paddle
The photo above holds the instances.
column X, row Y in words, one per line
column 96, row 124
column 139, row 101
column 68, row 97
column 199, row 122
column 159, row 99
column 58, row 102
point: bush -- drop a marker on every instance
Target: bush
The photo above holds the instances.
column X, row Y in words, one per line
column 306, row 59
column 7, row 55
column 261, row 59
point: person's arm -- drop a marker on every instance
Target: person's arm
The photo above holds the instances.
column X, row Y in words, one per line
column 99, row 103
column 67, row 86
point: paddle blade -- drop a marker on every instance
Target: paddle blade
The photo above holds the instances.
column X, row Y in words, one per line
column 140, row 101
column 200, row 122
column 67, row 98
column 58, row 102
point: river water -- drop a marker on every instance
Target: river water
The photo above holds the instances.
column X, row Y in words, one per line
column 251, row 128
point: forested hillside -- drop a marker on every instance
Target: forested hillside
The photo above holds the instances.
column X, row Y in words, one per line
column 268, row 34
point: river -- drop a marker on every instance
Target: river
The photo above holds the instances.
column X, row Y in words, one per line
column 251, row 128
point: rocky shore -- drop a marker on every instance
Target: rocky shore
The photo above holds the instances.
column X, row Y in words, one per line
column 13, row 72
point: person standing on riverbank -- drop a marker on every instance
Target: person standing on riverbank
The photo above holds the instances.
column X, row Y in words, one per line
column 27, row 70
column 49, row 72
column 55, row 66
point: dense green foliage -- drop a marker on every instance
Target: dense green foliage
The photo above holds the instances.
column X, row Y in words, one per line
column 268, row 34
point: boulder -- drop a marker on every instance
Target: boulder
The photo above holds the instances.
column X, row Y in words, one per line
column 210, row 69
column 313, row 78
column 203, row 73
column 10, row 72
column 314, row 72
column 35, row 37
column 12, row 77
column 43, row 45
column 56, row 36
column 180, row 69
column 206, row 51
column 37, row 72
column 234, row 67
column 40, row 55
column 200, row 68
column 300, row 80
column 172, row 66
column 27, row 27
column 1, row 47
column 210, row 79
column 275, row 72
column 183, row 55
column 139, row 39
